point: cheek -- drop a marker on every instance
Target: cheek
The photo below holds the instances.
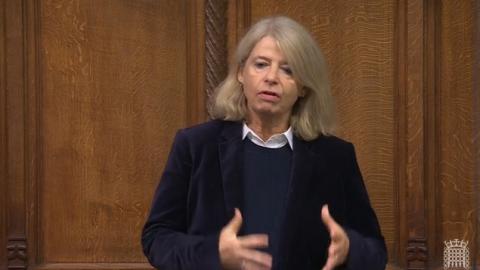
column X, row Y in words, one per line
column 293, row 93
column 249, row 87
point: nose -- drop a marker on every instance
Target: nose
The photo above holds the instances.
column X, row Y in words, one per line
column 272, row 75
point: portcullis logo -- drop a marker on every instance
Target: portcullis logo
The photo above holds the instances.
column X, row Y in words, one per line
column 456, row 255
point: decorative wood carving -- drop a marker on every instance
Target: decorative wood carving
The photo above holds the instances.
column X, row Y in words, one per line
column 17, row 253
column 417, row 254
column 215, row 43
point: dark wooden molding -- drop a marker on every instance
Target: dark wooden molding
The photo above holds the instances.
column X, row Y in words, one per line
column 17, row 253
column 417, row 253
column 215, row 44
column 244, row 17
column 431, row 132
column 15, row 134
column 33, row 124
column 3, row 138
column 400, row 126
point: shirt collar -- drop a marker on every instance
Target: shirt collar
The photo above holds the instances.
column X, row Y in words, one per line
column 276, row 141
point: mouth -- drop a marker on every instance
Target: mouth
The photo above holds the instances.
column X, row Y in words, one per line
column 269, row 96
column 269, row 93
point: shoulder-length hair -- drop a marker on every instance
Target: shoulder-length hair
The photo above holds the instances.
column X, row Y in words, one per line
column 313, row 114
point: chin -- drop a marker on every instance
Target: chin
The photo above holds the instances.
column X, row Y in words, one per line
column 268, row 113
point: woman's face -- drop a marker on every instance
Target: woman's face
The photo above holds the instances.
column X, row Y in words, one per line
column 268, row 83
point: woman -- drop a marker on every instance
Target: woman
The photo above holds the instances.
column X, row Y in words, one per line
column 265, row 185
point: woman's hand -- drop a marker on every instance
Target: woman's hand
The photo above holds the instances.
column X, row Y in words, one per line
column 239, row 252
column 339, row 244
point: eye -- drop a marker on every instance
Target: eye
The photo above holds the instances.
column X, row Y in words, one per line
column 287, row 70
column 260, row 64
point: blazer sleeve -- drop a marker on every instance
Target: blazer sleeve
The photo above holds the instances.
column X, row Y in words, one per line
column 367, row 245
column 165, row 240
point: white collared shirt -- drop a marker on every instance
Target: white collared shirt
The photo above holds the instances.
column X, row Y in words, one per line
column 276, row 141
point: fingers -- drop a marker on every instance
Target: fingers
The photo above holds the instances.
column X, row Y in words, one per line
column 330, row 264
column 253, row 241
column 332, row 226
column 246, row 265
column 331, row 260
column 239, row 252
column 235, row 223
column 255, row 257
column 327, row 218
column 339, row 245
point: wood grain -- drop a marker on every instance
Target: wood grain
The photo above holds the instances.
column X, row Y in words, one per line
column 15, row 200
column 196, row 93
column 456, row 150
column 476, row 113
column 114, row 93
column 357, row 39
column 92, row 92
column 3, row 140
column 412, row 133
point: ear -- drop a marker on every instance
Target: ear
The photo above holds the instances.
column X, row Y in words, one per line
column 240, row 75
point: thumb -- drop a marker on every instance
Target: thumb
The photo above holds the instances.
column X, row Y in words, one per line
column 327, row 218
column 236, row 222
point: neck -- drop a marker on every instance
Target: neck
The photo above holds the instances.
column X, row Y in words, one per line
column 265, row 127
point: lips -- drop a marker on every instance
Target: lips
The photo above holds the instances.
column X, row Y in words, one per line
column 269, row 96
column 269, row 93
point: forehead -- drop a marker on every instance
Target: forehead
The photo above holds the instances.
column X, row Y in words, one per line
column 267, row 47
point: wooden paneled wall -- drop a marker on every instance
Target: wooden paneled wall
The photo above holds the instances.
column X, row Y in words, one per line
column 92, row 92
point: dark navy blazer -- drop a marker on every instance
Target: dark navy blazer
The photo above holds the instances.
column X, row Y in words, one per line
column 201, row 186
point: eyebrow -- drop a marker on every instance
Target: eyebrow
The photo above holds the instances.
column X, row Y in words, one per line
column 268, row 59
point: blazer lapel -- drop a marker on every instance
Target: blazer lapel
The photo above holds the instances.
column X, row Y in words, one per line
column 231, row 165
column 304, row 164
column 301, row 170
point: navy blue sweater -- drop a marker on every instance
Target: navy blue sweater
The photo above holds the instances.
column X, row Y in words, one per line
column 265, row 184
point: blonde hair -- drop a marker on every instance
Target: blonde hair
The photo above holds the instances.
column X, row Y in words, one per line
column 312, row 115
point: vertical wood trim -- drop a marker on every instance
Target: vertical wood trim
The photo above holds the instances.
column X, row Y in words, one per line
column 239, row 19
column 401, row 121
column 216, row 44
column 476, row 123
column 415, row 84
column 415, row 136
column 196, row 94
column 3, row 139
column 431, row 132
column 15, row 134
column 244, row 17
column 33, row 125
